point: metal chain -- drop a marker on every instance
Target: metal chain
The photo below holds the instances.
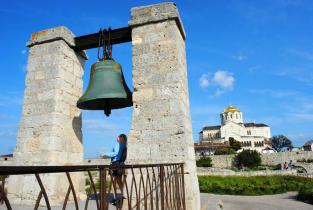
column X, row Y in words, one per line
column 106, row 45
column 109, row 47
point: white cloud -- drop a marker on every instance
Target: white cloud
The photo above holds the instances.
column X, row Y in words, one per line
column 299, row 138
column 99, row 126
column 218, row 92
column 222, row 80
column 306, row 55
column 212, row 110
column 240, row 57
column 23, row 52
column 307, row 117
column 274, row 93
column 302, row 72
column 252, row 69
column 204, row 81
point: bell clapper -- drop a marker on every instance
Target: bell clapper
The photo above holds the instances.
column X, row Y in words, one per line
column 107, row 111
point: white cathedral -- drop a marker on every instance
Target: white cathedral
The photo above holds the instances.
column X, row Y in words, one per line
column 254, row 136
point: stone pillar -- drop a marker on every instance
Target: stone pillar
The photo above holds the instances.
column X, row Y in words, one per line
column 50, row 127
column 161, row 124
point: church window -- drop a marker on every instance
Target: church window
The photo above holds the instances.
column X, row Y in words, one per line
column 231, row 116
column 236, row 116
column 248, row 132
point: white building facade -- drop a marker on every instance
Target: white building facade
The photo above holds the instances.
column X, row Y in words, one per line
column 254, row 136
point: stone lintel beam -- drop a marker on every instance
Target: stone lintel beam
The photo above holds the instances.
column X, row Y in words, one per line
column 156, row 13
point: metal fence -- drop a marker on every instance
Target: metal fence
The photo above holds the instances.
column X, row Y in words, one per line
column 145, row 186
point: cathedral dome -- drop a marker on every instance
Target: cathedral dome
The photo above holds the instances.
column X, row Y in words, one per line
column 231, row 109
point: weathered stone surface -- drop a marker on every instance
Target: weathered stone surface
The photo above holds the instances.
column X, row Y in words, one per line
column 204, row 171
column 161, row 125
column 156, row 13
column 58, row 33
column 226, row 161
column 50, row 127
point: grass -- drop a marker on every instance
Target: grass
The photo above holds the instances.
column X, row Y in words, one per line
column 254, row 185
column 303, row 160
column 306, row 193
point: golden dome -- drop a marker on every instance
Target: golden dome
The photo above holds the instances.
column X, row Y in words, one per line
column 231, row 109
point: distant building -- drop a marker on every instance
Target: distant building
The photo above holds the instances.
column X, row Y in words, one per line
column 268, row 150
column 308, row 146
column 255, row 136
column 204, row 149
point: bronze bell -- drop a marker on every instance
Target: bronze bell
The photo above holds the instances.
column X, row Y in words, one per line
column 107, row 88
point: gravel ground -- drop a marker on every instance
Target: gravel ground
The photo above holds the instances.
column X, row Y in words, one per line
column 284, row 201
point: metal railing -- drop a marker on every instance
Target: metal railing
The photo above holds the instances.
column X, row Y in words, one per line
column 143, row 186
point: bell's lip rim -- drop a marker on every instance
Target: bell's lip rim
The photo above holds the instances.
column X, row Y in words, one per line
column 80, row 106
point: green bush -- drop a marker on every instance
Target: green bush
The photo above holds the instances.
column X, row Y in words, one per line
column 306, row 193
column 224, row 151
column 254, row 185
column 89, row 190
column 248, row 158
column 204, row 162
column 234, row 144
column 276, row 167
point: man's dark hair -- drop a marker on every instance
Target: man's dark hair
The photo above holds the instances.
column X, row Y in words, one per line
column 124, row 138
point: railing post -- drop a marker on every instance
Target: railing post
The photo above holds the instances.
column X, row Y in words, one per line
column 103, row 196
column 183, row 185
column 162, row 186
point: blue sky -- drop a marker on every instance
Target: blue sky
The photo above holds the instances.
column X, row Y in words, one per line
column 256, row 55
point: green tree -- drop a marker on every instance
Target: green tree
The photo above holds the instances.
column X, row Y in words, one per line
column 224, row 151
column 248, row 158
column 280, row 141
column 234, row 144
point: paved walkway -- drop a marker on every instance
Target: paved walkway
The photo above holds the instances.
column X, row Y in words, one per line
column 229, row 202
column 205, row 201
column 284, row 201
